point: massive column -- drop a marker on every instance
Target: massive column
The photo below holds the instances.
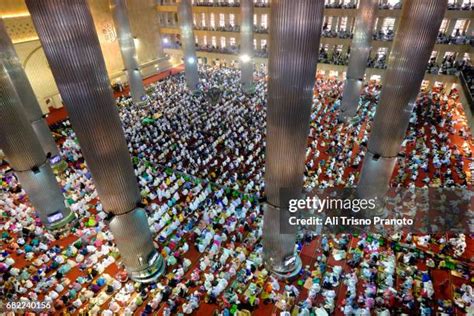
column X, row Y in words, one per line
column 67, row 33
column 246, row 45
column 127, row 49
column 360, row 50
column 26, row 157
column 411, row 49
column 295, row 32
column 25, row 92
column 185, row 20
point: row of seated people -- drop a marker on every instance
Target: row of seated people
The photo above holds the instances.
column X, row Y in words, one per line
column 459, row 38
column 469, row 5
column 332, row 34
column 333, row 5
column 353, row 5
column 449, row 66
column 205, row 3
column 225, row 28
column 231, row 49
column 380, row 35
column 335, row 57
column 230, row 28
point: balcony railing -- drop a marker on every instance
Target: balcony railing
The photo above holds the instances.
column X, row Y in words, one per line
column 216, row 4
column 340, row 6
column 388, row 35
column 262, row 4
column 387, row 6
column 458, row 39
column 227, row 28
column 231, row 50
column 383, row 35
column 467, row 85
column 447, row 67
column 463, row 7
column 336, row 34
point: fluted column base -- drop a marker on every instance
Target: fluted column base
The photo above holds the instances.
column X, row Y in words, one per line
column 248, row 87
column 191, row 74
column 133, row 239
column 246, row 77
column 137, row 89
column 375, row 178
column 50, row 149
column 62, row 225
column 279, row 254
column 45, row 196
column 185, row 19
column 350, row 98
column 45, row 138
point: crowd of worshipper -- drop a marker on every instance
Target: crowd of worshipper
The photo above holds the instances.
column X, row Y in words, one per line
column 199, row 165
column 382, row 35
column 454, row 5
column 448, row 66
column 341, row 5
column 338, row 57
column 437, row 140
column 459, row 38
column 228, row 49
column 222, row 142
column 329, row 5
column 210, row 238
column 467, row 74
column 262, row 3
column 210, row 48
column 217, row 3
column 332, row 34
column 260, row 29
column 225, row 28
column 231, row 28
column 379, row 61
column 334, row 57
column 390, row 6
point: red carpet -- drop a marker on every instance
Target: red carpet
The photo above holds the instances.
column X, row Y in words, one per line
column 57, row 115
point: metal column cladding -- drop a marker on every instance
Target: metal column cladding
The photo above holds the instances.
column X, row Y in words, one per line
column 414, row 40
column 295, row 32
column 360, row 51
column 25, row 92
column 185, row 19
column 68, row 36
column 71, row 45
column 246, row 44
column 26, row 157
column 127, row 49
column 294, row 37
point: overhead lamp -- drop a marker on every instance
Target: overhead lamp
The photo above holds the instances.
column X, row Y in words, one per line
column 245, row 58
